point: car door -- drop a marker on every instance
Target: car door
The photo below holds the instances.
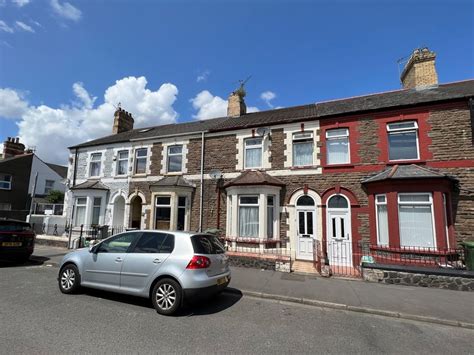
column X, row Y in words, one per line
column 102, row 267
column 144, row 260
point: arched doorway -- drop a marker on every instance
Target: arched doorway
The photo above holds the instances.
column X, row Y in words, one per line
column 136, row 212
column 118, row 212
column 306, row 227
column 339, row 236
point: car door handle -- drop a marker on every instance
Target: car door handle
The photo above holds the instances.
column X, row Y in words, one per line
column 119, row 259
column 157, row 261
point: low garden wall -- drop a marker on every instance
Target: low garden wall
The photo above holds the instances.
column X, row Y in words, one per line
column 259, row 262
column 448, row 279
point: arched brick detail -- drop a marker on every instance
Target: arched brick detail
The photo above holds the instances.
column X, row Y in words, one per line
column 339, row 190
column 297, row 191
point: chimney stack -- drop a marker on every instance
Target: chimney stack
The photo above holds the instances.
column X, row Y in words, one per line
column 420, row 70
column 12, row 147
column 236, row 104
column 123, row 121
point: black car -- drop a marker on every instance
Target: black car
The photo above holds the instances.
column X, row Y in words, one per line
column 17, row 240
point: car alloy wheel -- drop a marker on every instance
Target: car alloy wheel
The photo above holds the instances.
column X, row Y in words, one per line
column 69, row 279
column 166, row 296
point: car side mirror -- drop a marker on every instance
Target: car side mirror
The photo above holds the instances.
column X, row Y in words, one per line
column 92, row 246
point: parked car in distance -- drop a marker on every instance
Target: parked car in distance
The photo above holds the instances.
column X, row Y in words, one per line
column 167, row 267
column 17, row 240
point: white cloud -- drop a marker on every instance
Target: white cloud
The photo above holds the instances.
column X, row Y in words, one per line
column 24, row 27
column 66, row 10
column 210, row 106
column 203, row 76
column 5, row 28
column 51, row 130
column 268, row 96
column 21, row 3
column 12, row 104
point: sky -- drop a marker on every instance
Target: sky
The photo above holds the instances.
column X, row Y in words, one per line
column 65, row 65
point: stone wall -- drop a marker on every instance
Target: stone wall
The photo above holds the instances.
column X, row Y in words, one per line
column 447, row 282
column 258, row 263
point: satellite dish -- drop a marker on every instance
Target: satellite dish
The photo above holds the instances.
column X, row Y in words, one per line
column 262, row 131
column 215, row 174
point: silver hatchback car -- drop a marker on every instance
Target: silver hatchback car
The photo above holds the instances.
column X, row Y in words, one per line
column 167, row 267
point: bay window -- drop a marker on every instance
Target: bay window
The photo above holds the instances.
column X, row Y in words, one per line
column 415, row 213
column 163, row 212
column 253, row 153
column 95, row 164
column 248, row 216
column 80, row 215
column 382, row 220
column 303, row 148
column 181, row 213
column 337, row 146
column 96, row 210
column 140, row 160
column 270, row 214
column 122, row 162
column 403, row 140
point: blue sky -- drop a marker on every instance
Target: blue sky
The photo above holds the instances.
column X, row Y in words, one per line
column 172, row 61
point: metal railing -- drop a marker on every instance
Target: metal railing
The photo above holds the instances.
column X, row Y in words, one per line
column 277, row 249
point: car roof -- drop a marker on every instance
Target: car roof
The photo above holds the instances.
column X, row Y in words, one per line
column 176, row 233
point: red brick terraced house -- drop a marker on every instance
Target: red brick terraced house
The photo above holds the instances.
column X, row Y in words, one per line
column 389, row 175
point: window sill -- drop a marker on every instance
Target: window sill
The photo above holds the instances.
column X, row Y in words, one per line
column 338, row 166
column 174, row 173
column 405, row 162
column 139, row 175
column 303, row 167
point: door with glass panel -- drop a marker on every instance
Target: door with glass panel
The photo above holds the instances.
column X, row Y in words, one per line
column 306, row 227
column 338, row 227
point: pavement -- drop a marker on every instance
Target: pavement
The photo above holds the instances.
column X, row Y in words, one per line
column 447, row 307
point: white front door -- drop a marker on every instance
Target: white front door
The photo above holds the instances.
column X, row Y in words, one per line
column 339, row 240
column 305, row 219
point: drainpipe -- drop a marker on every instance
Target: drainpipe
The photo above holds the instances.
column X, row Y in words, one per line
column 201, row 192
column 75, row 168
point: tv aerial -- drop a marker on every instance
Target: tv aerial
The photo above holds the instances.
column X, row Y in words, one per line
column 263, row 132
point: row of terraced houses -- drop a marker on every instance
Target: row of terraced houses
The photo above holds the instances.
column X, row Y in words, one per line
column 394, row 170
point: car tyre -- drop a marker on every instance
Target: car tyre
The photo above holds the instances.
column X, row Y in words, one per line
column 69, row 279
column 166, row 296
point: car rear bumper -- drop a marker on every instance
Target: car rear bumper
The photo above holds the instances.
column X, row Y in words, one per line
column 15, row 253
column 192, row 294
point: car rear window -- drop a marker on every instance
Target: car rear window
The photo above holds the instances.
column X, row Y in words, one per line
column 207, row 244
column 14, row 226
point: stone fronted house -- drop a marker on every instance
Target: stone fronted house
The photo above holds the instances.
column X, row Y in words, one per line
column 394, row 169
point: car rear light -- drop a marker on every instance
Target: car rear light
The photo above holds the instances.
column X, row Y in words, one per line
column 199, row 262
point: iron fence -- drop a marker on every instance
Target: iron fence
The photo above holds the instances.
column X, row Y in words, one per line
column 344, row 258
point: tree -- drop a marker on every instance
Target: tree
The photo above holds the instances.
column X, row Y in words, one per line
column 55, row 196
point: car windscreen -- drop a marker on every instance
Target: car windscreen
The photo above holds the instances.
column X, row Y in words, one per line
column 14, row 226
column 207, row 244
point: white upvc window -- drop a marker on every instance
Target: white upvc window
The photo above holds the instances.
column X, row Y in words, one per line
column 381, row 220
column 95, row 164
column 5, row 181
column 403, row 141
column 175, row 158
column 122, row 162
column 416, row 220
column 253, row 153
column 48, row 186
column 248, row 216
column 80, row 213
column 337, row 146
column 270, row 216
column 303, row 146
column 181, row 215
column 141, row 160
column 445, row 207
column 96, row 207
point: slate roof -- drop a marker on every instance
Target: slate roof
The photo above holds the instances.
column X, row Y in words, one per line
column 405, row 172
column 255, row 177
column 59, row 169
column 173, row 181
column 321, row 110
column 90, row 185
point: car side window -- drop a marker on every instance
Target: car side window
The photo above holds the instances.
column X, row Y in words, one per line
column 152, row 242
column 118, row 244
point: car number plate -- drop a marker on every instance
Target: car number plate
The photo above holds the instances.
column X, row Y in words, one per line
column 222, row 280
column 11, row 244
